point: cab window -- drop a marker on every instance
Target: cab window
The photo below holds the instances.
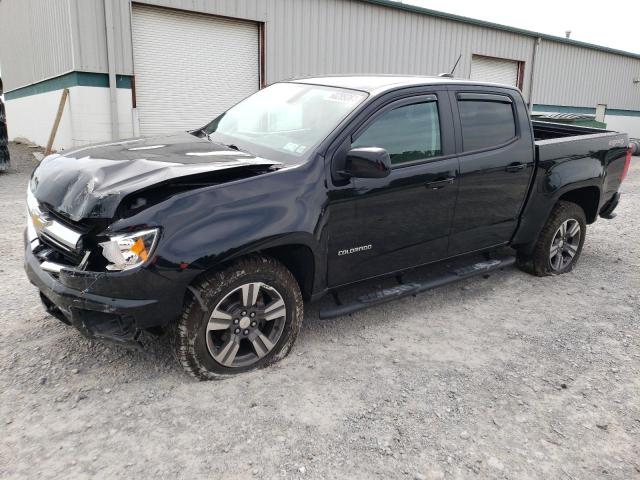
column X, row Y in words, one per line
column 408, row 133
column 486, row 124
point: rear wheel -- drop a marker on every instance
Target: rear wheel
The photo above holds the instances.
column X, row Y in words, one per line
column 559, row 244
column 244, row 317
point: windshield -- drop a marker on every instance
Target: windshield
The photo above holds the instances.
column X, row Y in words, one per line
column 285, row 118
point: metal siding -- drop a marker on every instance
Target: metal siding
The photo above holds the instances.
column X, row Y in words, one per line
column 35, row 41
column 89, row 23
column 574, row 76
column 350, row 36
column 313, row 37
column 90, row 43
column 244, row 9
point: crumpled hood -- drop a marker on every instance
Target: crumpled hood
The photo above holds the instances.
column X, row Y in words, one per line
column 90, row 182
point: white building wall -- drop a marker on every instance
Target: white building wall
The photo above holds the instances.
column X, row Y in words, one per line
column 85, row 119
column 91, row 114
column 626, row 124
column 32, row 118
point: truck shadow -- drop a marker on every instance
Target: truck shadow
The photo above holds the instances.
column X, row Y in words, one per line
column 156, row 357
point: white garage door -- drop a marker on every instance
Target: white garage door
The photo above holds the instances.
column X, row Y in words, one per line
column 495, row 70
column 190, row 67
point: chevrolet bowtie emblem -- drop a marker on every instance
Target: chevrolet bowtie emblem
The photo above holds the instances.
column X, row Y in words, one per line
column 39, row 222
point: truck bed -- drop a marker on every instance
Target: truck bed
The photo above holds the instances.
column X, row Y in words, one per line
column 550, row 130
column 582, row 152
column 555, row 140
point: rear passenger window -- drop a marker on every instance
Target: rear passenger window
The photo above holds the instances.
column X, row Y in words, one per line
column 486, row 123
column 408, row 133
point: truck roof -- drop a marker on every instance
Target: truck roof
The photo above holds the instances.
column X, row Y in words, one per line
column 378, row 83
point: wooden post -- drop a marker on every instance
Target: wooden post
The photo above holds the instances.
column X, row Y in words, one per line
column 56, row 124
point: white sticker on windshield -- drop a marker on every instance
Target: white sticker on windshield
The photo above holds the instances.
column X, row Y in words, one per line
column 343, row 97
column 291, row 147
column 301, row 149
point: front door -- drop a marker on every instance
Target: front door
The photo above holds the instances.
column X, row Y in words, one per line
column 402, row 220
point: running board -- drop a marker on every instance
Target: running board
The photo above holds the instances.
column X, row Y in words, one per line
column 404, row 290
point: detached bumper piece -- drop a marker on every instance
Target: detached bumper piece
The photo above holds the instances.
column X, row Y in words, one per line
column 404, row 290
column 99, row 325
column 607, row 210
column 95, row 316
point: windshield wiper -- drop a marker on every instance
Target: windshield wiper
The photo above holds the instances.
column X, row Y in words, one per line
column 228, row 145
column 237, row 149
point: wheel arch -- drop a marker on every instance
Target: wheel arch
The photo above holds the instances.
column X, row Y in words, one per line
column 297, row 252
column 587, row 198
column 585, row 195
column 299, row 260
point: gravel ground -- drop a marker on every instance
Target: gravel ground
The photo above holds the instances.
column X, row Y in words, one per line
column 507, row 377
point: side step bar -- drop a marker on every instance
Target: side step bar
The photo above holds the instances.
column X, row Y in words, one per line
column 404, row 290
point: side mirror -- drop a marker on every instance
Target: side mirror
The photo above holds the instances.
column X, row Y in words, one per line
column 367, row 162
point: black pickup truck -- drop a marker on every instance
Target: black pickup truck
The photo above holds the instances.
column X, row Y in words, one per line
column 217, row 235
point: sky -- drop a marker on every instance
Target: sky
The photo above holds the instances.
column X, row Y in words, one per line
column 610, row 23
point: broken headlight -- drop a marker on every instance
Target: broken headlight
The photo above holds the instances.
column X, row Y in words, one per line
column 130, row 250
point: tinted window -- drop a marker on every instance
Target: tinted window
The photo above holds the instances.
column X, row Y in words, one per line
column 485, row 124
column 407, row 133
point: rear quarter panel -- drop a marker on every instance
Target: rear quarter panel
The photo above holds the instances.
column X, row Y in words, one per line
column 566, row 164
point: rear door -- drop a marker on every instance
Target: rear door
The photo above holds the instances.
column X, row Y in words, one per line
column 496, row 164
column 403, row 220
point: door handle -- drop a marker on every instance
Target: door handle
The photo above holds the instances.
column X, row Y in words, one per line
column 438, row 184
column 515, row 167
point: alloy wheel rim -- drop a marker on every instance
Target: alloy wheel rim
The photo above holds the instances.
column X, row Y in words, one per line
column 246, row 325
column 564, row 244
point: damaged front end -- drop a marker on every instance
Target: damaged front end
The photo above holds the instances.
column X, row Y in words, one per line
column 63, row 260
column 113, row 284
column 66, row 262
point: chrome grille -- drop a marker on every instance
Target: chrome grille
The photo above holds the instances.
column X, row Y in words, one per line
column 53, row 234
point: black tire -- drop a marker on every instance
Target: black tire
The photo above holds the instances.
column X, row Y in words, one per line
column 539, row 262
column 192, row 340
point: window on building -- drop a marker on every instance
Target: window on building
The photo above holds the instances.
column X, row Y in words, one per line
column 408, row 133
column 486, row 123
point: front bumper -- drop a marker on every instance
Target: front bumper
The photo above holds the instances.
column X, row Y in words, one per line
column 109, row 306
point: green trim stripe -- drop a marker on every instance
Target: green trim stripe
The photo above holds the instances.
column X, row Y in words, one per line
column 496, row 26
column 73, row 79
column 622, row 113
column 585, row 110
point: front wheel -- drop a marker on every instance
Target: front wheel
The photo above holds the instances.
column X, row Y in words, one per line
column 559, row 244
column 238, row 319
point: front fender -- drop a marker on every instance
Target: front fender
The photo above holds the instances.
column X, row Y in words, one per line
column 208, row 227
